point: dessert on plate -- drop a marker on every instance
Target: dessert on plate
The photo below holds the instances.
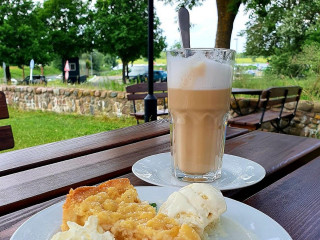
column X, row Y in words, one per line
column 117, row 209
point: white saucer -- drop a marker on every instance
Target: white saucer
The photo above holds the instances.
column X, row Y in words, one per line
column 237, row 172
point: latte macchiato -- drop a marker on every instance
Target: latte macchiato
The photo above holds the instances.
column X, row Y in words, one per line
column 199, row 99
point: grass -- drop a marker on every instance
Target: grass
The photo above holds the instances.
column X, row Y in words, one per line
column 16, row 72
column 310, row 84
column 36, row 127
column 250, row 60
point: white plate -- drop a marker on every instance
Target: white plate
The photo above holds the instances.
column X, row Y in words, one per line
column 237, row 172
column 240, row 221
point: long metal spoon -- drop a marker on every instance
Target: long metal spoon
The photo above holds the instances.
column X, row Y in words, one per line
column 184, row 24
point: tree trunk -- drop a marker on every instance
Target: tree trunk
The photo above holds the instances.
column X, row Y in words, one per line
column 124, row 78
column 226, row 16
column 127, row 69
column 8, row 74
column 23, row 74
column 42, row 70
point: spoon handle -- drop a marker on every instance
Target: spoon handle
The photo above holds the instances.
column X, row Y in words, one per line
column 184, row 24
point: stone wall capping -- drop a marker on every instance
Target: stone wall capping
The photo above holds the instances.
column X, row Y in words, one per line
column 104, row 94
column 305, row 105
column 38, row 90
column 86, row 92
column 80, row 93
column 97, row 93
column 316, row 107
column 121, row 95
column 113, row 94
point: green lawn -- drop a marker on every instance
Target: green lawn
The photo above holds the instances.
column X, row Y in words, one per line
column 250, row 60
column 35, row 127
column 309, row 84
column 16, row 72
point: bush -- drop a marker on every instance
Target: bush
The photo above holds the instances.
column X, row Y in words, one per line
column 309, row 59
column 281, row 64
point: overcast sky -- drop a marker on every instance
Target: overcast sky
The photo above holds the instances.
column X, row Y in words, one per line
column 204, row 18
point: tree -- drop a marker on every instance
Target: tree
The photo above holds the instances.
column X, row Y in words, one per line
column 122, row 30
column 227, row 11
column 22, row 35
column 97, row 60
column 67, row 24
column 279, row 29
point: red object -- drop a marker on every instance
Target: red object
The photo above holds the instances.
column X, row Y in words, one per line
column 66, row 69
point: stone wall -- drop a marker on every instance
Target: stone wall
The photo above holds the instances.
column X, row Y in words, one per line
column 69, row 100
column 115, row 104
column 305, row 123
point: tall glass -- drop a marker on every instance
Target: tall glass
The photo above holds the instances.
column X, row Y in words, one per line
column 199, row 88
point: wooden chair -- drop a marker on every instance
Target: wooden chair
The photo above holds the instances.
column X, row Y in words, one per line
column 6, row 136
column 271, row 97
column 140, row 91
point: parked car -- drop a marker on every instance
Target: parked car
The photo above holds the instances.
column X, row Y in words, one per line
column 36, row 79
column 158, row 76
column 250, row 72
column 14, row 81
column 138, row 73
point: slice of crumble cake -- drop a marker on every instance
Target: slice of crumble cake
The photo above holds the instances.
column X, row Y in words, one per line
column 120, row 211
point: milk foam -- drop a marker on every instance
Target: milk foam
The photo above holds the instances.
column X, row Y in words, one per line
column 197, row 72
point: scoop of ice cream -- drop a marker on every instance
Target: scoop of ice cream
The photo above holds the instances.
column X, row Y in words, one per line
column 90, row 231
column 197, row 205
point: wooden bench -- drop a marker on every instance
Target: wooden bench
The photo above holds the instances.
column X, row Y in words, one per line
column 140, row 91
column 6, row 136
column 271, row 97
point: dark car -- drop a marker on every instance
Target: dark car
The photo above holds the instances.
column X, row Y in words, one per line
column 36, row 79
column 158, row 76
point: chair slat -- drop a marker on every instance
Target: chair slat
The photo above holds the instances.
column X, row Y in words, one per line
column 6, row 138
column 141, row 96
column 143, row 87
column 3, row 106
column 273, row 102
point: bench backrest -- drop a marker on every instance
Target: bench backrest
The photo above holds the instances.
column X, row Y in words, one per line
column 280, row 95
column 140, row 91
column 6, row 136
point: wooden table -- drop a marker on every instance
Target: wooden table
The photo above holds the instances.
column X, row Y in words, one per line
column 35, row 178
column 246, row 91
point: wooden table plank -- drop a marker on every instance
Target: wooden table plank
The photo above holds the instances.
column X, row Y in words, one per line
column 246, row 91
column 276, row 152
column 279, row 154
column 293, row 201
column 28, row 158
column 41, row 155
column 35, row 185
column 38, row 184
column 233, row 132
